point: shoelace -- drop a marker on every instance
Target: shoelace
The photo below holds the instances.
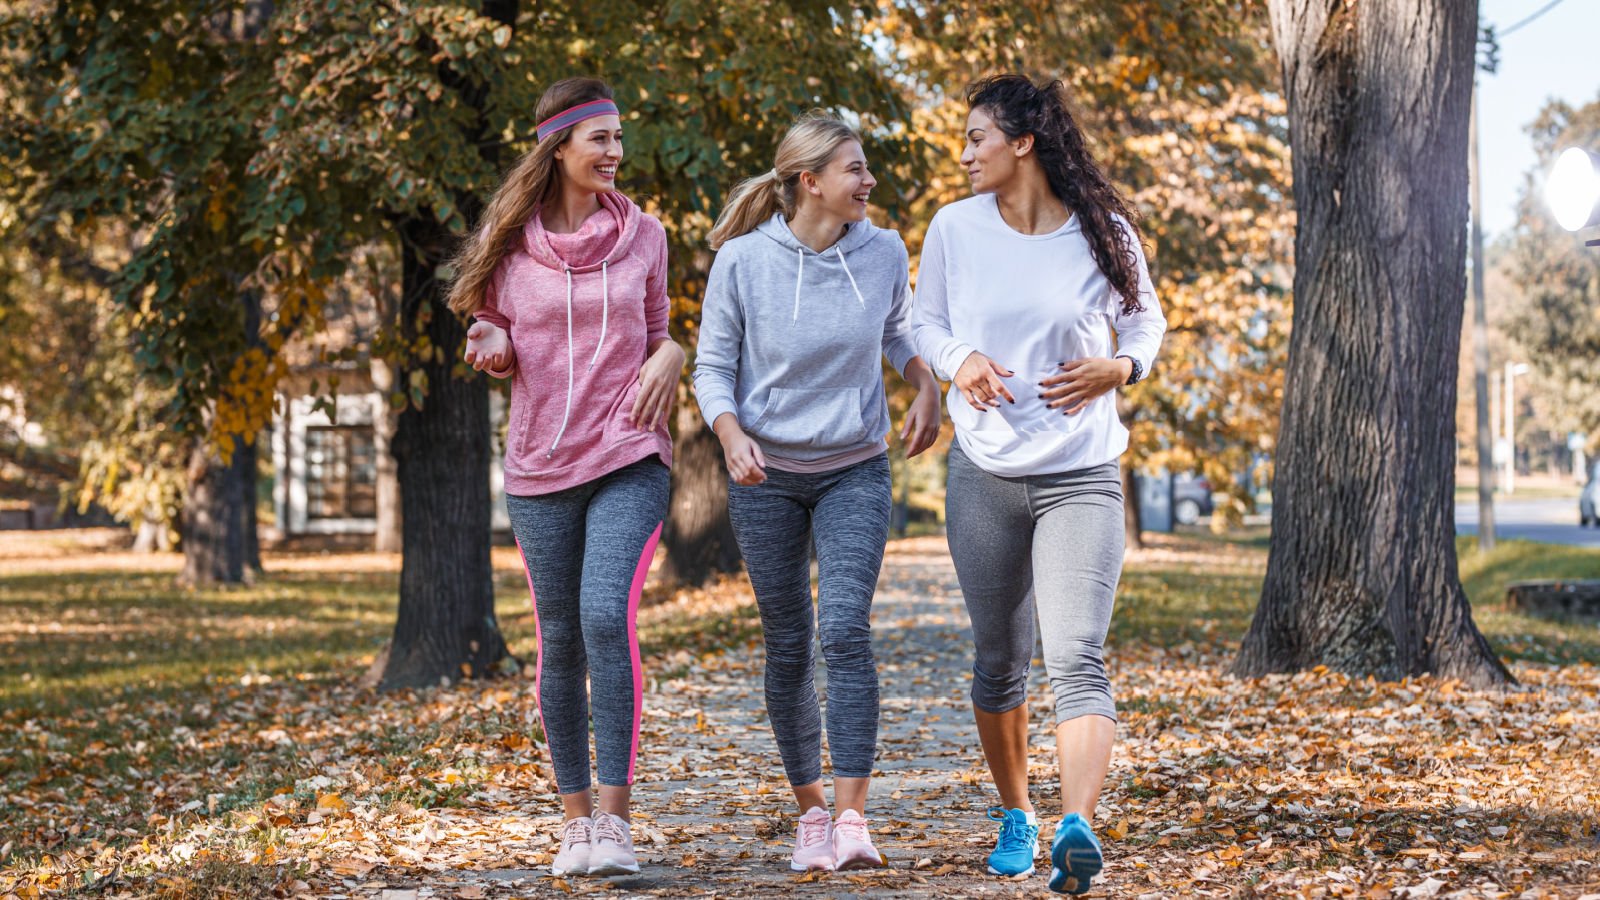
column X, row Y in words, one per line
column 813, row 833
column 1014, row 833
column 609, row 828
column 854, row 829
column 576, row 831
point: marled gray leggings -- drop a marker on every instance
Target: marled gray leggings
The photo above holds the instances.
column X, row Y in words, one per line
column 1058, row 540
column 587, row 550
column 846, row 512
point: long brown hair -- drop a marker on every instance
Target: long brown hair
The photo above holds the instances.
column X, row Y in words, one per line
column 533, row 181
column 807, row 147
column 1019, row 107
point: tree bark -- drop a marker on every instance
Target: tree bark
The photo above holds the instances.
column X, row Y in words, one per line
column 220, row 541
column 1362, row 573
column 698, row 535
column 215, row 521
column 446, row 629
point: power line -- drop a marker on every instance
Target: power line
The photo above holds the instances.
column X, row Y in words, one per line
column 1547, row 7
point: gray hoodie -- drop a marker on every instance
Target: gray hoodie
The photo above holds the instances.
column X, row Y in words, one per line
column 790, row 341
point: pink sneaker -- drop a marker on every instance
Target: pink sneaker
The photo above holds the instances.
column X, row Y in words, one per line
column 852, row 846
column 574, row 856
column 813, row 848
column 612, row 852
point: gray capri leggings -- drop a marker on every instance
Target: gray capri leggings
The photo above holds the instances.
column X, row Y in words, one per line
column 587, row 550
column 846, row 512
column 1056, row 539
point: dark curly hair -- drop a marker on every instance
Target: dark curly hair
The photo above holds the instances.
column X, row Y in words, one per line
column 1019, row 107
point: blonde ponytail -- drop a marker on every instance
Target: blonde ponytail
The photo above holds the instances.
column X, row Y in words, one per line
column 807, row 147
column 751, row 203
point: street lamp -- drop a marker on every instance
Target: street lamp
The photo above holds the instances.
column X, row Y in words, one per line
column 1573, row 190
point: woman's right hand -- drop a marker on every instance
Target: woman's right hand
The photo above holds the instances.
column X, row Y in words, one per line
column 746, row 465
column 979, row 380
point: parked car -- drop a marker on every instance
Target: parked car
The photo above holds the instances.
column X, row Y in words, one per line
column 1590, row 499
column 1191, row 498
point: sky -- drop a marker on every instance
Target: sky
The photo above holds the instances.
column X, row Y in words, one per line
column 1541, row 60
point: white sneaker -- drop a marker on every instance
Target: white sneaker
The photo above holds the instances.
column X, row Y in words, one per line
column 575, row 844
column 611, row 852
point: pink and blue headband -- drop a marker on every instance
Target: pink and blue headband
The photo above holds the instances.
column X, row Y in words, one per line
column 570, row 117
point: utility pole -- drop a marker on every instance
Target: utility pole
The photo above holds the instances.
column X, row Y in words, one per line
column 1480, row 348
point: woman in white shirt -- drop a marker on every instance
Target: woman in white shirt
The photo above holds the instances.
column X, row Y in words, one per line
column 1034, row 300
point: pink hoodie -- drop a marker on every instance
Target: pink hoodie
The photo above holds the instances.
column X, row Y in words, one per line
column 581, row 310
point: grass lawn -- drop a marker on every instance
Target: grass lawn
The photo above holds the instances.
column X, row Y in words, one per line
column 126, row 703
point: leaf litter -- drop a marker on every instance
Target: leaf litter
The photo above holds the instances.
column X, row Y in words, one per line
column 1310, row 785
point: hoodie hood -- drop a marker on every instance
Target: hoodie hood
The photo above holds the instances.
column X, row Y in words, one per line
column 856, row 236
column 604, row 237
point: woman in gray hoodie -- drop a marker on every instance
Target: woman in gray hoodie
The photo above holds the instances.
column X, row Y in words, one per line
column 804, row 300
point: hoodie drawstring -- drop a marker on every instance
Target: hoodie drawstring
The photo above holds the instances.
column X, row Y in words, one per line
column 800, row 269
column 567, row 414
column 605, row 307
column 799, row 273
column 859, row 298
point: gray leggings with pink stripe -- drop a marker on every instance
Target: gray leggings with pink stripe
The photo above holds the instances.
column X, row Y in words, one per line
column 587, row 550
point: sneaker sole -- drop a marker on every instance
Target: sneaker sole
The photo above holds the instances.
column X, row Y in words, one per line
column 1028, row 871
column 1074, row 867
column 860, row 862
column 796, row 867
column 606, row 869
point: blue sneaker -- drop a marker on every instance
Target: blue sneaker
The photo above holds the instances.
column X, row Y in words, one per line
column 1074, row 856
column 1018, row 844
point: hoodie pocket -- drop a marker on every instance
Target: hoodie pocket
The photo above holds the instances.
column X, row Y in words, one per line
column 819, row 418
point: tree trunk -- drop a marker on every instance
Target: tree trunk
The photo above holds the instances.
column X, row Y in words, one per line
column 215, row 529
column 220, row 542
column 1132, row 523
column 390, row 537
column 250, row 472
column 1362, row 572
column 446, row 628
column 699, row 536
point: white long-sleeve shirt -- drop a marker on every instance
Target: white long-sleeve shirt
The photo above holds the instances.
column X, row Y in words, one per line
column 1028, row 302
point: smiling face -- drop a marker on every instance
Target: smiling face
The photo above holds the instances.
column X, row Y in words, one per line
column 591, row 154
column 991, row 160
column 841, row 187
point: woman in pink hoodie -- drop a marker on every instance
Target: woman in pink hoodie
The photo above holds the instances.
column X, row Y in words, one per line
column 568, row 282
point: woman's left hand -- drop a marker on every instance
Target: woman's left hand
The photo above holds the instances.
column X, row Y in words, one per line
column 1082, row 380
column 921, row 427
column 658, row 387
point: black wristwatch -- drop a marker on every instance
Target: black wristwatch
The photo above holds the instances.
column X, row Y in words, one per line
column 1137, row 373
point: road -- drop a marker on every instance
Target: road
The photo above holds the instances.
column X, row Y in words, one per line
column 1552, row 521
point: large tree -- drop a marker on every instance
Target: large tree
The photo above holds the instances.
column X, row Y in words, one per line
column 153, row 134
column 1362, row 573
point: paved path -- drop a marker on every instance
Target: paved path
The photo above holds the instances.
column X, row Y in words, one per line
column 1550, row 521
column 713, row 812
